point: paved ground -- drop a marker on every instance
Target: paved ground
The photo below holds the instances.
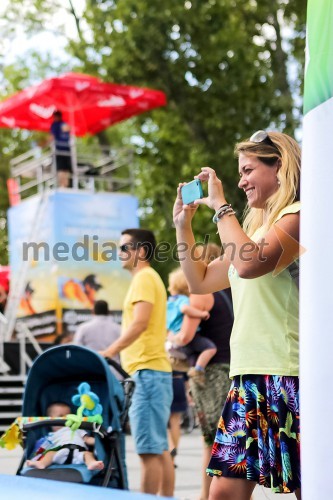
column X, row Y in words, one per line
column 187, row 472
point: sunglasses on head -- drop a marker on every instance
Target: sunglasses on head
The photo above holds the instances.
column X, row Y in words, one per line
column 128, row 246
column 262, row 136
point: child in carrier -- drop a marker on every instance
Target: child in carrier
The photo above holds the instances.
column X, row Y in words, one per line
column 178, row 305
column 53, row 450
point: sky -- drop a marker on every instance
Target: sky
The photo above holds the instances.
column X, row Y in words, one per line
column 48, row 41
column 53, row 41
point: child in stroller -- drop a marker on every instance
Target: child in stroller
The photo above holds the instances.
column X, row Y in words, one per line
column 54, row 448
column 57, row 375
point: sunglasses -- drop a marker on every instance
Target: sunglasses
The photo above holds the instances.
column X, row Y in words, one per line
column 262, row 136
column 128, row 246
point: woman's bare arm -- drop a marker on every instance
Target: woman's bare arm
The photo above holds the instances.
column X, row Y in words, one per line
column 200, row 277
column 252, row 259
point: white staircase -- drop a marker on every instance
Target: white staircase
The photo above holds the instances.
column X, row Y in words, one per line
column 11, row 396
column 19, row 283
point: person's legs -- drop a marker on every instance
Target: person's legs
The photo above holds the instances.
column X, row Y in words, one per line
column 149, row 415
column 226, row 488
column 205, row 357
column 63, row 178
column 44, row 462
column 151, row 473
column 157, row 474
column 174, row 430
column 298, row 494
column 91, row 462
column 204, row 349
column 206, row 480
column 63, row 168
column 178, row 407
column 209, row 401
column 168, row 476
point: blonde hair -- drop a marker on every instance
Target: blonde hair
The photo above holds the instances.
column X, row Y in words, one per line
column 178, row 283
column 209, row 252
column 288, row 151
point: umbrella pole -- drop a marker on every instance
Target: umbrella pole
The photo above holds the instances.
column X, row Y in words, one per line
column 71, row 103
column 75, row 178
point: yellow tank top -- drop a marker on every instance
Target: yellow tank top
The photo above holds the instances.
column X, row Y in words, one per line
column 264, row 338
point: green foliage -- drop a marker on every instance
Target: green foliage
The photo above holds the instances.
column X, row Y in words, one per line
column 224, row 66
column 3, row 237
column 224, row 71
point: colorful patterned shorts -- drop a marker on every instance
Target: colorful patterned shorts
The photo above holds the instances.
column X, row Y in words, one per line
column 258, row 436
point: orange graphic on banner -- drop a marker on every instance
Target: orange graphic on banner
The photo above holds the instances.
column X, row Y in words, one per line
column 291, row 250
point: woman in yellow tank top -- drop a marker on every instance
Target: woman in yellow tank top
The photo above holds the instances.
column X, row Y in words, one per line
column 257, row 439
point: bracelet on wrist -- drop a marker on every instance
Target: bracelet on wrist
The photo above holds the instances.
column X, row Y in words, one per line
column 222, row 206
column 221, row 211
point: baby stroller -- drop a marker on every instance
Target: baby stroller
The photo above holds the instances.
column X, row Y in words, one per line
column 55, row 376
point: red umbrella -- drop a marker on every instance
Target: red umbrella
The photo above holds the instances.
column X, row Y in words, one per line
column 88, row 105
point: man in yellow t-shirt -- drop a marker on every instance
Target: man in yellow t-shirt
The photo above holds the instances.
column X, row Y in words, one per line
column 143, row 356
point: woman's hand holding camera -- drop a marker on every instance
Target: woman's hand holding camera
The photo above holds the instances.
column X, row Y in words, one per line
column 183, row 214
column 215, row 198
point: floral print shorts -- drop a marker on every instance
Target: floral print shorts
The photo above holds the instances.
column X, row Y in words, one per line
column 258, row 435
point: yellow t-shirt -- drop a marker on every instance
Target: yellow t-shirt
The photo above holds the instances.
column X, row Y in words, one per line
column 148, row 351
column 264, row 338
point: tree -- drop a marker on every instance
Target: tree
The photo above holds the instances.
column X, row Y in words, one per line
column 226, row 73
column 224, row 70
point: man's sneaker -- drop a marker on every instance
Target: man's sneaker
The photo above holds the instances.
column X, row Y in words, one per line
column 198, row 376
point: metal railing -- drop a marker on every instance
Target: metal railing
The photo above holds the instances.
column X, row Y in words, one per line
column 23, row 335
column 4, row 368
column 94, row 168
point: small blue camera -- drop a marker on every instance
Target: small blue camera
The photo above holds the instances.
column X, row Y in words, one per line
column 192, row 191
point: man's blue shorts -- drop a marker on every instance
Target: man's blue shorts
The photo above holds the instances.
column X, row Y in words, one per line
column 150, row 410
